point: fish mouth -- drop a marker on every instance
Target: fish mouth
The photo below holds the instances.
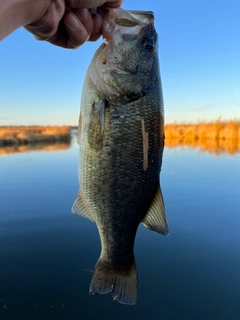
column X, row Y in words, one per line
column 146, row 17
column 117, row 20
column 126, row 18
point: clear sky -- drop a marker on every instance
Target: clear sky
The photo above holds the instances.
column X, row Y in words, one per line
column 199, row 57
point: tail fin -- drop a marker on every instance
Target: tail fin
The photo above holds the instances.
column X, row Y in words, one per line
column 122, row 284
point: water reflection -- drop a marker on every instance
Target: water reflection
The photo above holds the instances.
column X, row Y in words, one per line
column 45, row 250
column 34, row 147
column 215, row 147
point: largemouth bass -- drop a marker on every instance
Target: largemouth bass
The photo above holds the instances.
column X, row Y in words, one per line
column 121, row 139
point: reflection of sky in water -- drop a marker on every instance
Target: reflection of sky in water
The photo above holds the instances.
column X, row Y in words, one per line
column 45, row 250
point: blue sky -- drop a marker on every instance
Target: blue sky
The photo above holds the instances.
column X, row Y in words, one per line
column 199, row 57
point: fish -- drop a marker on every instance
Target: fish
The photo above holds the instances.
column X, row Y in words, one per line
column 121, row 139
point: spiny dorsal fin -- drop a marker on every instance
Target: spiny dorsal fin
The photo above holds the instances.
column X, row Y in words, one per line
column 155, row 219
column 96, row 125
column 80, row 208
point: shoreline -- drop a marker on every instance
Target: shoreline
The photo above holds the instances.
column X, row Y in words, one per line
column 24, row 135
column 214, row 130
column 216, row 137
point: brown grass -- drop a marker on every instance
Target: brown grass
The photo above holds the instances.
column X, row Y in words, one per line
column 34, row 147
column 24, row 135
column 215, row 137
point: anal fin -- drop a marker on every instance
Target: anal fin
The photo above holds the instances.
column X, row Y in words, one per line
column 155, row 219
column 80, row 208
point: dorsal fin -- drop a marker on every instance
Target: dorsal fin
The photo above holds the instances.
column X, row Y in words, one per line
column 80, row 208
column 155, row 219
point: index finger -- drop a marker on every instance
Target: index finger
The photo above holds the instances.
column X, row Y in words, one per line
column 89, row 4
column 113, row 4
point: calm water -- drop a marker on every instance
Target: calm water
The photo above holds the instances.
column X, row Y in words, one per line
column 47, row 253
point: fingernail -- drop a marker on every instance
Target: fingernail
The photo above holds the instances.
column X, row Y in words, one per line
column 72, row 21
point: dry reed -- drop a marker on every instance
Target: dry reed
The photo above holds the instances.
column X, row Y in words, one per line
column 23, row 135
column 215, row 137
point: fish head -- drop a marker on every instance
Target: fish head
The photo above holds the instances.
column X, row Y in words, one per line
column 123, row 67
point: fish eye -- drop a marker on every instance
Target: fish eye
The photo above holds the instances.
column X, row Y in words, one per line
column 148, row 43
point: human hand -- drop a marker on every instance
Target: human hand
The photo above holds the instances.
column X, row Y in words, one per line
column 68, row 23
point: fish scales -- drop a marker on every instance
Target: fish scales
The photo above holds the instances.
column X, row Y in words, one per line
column 115, row 190
column 117, row 185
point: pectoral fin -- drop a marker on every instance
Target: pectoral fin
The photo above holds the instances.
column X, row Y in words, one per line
column 80, row 208
column 96, row 125
column 156, row 217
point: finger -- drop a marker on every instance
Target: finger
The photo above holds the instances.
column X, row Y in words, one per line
column 71, row 33
column 93, row 3
column 97, row 27
column 86, row 19
column 78, row 33
column 42, row 31
column 113, row 4
column 47, row 26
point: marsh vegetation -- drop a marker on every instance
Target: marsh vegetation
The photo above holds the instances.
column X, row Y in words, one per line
column 22, row 135
column 216, row 137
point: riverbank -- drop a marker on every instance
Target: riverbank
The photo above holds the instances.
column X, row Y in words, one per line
column 23, row 135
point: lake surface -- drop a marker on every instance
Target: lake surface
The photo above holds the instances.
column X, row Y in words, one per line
column 47, row 254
